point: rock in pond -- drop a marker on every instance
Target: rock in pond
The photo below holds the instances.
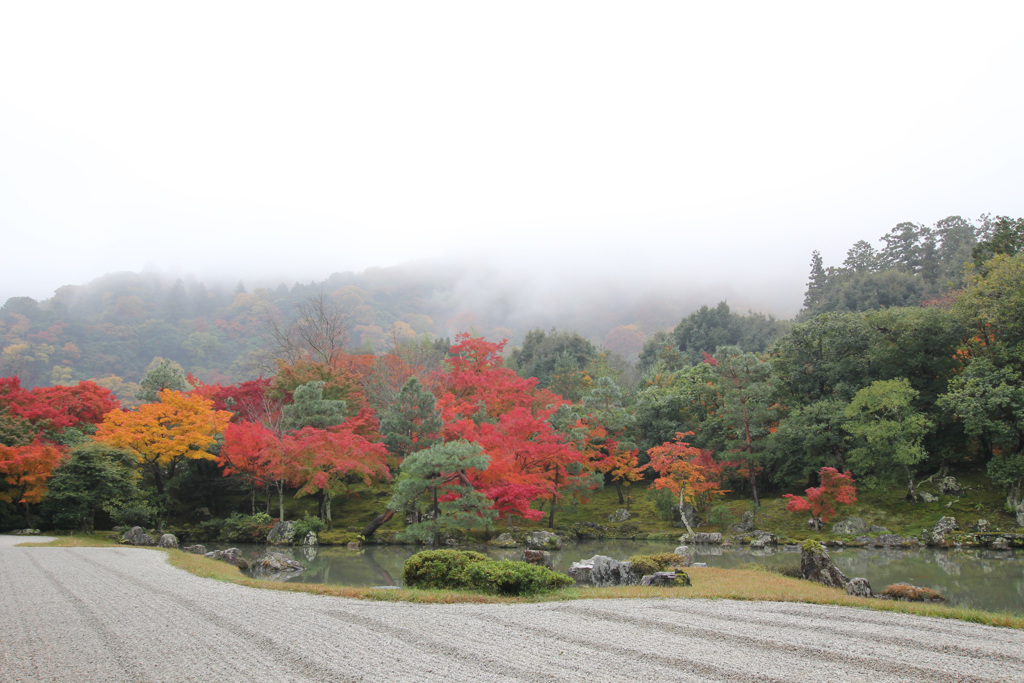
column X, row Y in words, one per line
column 168, row 541
column 942, row 531
column 603, row 571
column 543, row 540
column 685, row 552
column 195, row 549
column 505, row 540
column 137, row 536
column 310, row 539
column 274, row 563
column 816, row 565
column 231, row 556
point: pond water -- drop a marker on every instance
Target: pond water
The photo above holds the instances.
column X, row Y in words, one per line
column 985, row 579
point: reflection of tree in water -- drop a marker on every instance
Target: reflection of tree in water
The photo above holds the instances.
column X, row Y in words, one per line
column 379, row 571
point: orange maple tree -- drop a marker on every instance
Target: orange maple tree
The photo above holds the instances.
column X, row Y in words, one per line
column 821, row 501
column 689, row 472
column 164, row 434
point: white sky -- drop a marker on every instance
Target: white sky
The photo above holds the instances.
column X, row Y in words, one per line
column 726, row 140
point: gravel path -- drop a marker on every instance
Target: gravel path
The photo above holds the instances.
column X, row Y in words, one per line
column 120, row 614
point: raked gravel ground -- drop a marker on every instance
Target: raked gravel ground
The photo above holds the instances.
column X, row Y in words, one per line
column 120, row 614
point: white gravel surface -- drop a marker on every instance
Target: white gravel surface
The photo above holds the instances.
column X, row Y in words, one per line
column 124, row 614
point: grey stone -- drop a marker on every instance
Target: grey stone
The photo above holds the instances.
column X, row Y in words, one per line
column 26, row 532
column 311, row 539
column 707, row 538
column 282, row 534
column 850, row 526
column 875, row 529
column 685, row 551
column 195, row 549
column 620, row 515
column 665, row 579
column 603, row 571
column 950, row 487
column 137, row 536
column 890, row 540
column 816, row 565
column 231, row 556
column 699, row 564
column 275, row 562
column 941, row 532
column 505, row 540
column 543, row 540
column 983, row 526
column 859, row 587
column 927, row 497
column 746, row 523
column 539, row 557
column 168, row 541
column 761, row 539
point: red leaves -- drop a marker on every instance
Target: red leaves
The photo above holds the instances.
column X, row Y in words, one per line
column 821, row 501
column 58, row 407
column 317, row 458
column 26, row 469
column 685, row 469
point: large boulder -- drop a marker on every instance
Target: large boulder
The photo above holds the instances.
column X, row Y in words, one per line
column 761, row 539
column 137, row 536
column 168, row 541
column 283, row 533
column 941, row 534
column 850, row 526
column 816, row 565
column 310, row 539
column 26, row 532
column 275, row 562
column 603, row 571
column 927, row 497
column 195, row 549
column 543, row 540
column 231, row 556
column 707, row 538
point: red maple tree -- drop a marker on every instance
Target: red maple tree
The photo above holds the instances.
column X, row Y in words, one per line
column 821, row 501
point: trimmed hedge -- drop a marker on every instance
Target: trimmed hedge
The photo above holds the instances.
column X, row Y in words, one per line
column 659, row 562
column 465, row 569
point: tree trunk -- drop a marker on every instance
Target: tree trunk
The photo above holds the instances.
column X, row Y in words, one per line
column 280, row 498
column 327, row 508
column 682, row 505
column 437, row 523
column 378, row 521
column 551, row 517
column 618, row 489
column 253, row 489
column 911, row 493
column 753, row 483
column 28, row 517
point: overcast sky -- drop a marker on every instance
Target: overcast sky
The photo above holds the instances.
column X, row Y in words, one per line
column 722, row 140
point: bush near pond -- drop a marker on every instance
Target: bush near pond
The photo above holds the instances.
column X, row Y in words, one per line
column 659, row 562
column 454, row 569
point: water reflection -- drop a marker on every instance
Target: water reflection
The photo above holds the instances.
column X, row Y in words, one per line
column 986, row 579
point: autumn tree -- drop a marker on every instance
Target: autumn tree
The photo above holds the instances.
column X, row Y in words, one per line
column 690, row 473
column 325, row 461
column 254, row 453
column 26, row 470
column 821, row 501
column 164, row 434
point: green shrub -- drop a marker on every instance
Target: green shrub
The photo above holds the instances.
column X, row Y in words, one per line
column 660, row 562
column 440, row 568
column 664, row 500
column 721, row 516
column 239, row 528
column 507, row 577
column 305, row 525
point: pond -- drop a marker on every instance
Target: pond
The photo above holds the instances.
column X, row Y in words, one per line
column 985, row 579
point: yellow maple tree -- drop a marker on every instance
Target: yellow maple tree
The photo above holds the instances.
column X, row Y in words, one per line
column 164, row 434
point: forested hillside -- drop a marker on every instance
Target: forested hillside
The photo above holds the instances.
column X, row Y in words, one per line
column 357, row 388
